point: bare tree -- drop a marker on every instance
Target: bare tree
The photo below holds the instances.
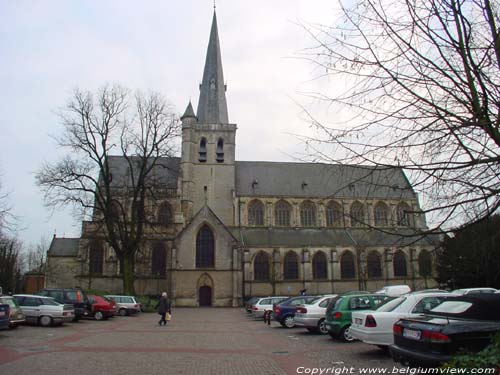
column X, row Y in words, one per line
column 118, row 153
column 34, row 257
column 420, row 90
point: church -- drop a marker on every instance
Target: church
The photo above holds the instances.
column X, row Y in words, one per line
column 226, row 230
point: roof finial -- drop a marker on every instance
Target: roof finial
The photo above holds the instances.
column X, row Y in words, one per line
column 214, row 5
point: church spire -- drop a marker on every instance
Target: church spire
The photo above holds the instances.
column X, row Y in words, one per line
column 212, row 106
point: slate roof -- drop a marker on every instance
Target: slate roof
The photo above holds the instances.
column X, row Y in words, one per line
column 290, row 237
column 64, row 247
column 320, row 180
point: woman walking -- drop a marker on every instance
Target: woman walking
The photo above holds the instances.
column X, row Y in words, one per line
column 163, row 308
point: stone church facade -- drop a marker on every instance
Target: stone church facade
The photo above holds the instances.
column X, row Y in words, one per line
column 225, row 230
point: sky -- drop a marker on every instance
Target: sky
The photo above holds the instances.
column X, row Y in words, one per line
column 48, row 48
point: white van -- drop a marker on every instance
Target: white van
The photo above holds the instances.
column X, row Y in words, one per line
column 394, row 290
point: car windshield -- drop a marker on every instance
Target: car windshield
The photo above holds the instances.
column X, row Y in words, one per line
column 390, row 305
column 49, row 301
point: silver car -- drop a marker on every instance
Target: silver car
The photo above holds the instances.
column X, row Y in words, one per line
column 16, row 313
column 44, row 310
column 126, row 305
column 265, row 304
column 312, row 314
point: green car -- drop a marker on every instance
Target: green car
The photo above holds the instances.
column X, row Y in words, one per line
column 338, row 312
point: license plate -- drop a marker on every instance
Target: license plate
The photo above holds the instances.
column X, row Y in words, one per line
column 411, row 334
column 358, row 321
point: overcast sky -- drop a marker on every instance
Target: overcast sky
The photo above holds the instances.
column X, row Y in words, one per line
column 48, row 48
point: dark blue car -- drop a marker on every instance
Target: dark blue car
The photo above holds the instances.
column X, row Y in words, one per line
column 4, row 316
column 284, row 312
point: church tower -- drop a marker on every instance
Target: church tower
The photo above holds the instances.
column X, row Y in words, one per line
column 208, row 143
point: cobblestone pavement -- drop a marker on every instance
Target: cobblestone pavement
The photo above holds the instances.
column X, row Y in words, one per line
column 196, row 341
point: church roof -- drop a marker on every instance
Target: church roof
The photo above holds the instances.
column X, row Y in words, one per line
column 291, row 237
column 64, row 247
column 189, row 112
column 212, row 106
column 320, row 180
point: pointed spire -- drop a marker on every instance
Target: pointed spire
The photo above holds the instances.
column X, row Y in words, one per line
column 189, row 112
column 212, row 106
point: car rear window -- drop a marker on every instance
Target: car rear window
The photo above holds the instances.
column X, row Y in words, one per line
column 9, row 301
column 452, row 307
column 49, row 302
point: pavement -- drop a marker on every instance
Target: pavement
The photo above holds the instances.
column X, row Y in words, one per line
column 196, row 341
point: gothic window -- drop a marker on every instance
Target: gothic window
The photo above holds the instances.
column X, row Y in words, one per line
column 220, row 151
column 333, row 215
column 261, row 267
column 357, row 214
column 403, row 212
column 255, row 213
column 203, row 151
column 158, row 260
column 319, row 266
column 291, row 266
column 381, row 215
column 347, row 269
column 205, row 248
column 165, row 214
column 399, row 264
column 96, row 257
column 307, row 214
column 424, row 263
column 282, row 214
column 374, row 266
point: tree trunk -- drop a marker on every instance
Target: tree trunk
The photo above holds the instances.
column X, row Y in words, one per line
column 128, row 276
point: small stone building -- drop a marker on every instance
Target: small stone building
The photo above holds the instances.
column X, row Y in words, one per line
column 225, row 229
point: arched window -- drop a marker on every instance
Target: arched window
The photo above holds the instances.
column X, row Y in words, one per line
column 203, row 151
column 291, row 266
column 158, row 260
column 399, row 264
column 374, row 265
column 255, row 213
column 357, row 215
column 261, row 266
column 333, row 215
column 219, row 152
column 282, row 214
column 96, row 258
column 307, row 214
column 165, row 214
column 381, row 215
column 403, row 213
column 425, row 263
column 319, row 266
column 205, row 248
column 347, row 269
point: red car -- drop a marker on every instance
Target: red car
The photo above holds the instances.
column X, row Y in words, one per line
column 102, row 307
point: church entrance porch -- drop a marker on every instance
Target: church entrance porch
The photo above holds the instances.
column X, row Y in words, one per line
column 205, row 296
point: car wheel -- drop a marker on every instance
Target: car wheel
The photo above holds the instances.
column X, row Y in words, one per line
column 345, row 334
column 99, row 315
column 322, row 327
column 122, row 312
column 289, row 322
column 45, row 321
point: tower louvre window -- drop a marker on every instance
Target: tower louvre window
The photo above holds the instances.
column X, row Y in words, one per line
column 203, row 151
column 219, row 153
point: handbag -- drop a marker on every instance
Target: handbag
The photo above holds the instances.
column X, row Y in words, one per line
column 168, row 316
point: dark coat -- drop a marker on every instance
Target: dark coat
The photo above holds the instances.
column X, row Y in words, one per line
column 163, row 305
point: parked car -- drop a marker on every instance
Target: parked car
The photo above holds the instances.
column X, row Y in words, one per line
column 4, row 316
column 16, row 313
column 284, row 311
column 101, row 307
column 69, row 296
column 126, row 305
column 311, row 315
column 264, row 304
column 338, row 313
column 375, row 327
column 459, row 324
column 394, row 290
column 44, row 310
column 475, row 291
column 249, row 302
